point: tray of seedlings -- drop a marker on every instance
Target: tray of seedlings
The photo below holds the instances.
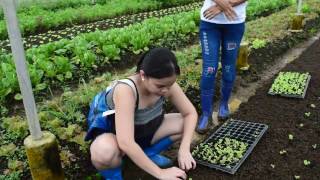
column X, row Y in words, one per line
column 228, row 147
column 290, row 84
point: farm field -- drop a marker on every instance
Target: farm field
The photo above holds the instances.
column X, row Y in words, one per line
column 72, row 60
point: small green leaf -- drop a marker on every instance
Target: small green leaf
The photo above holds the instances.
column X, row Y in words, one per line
column 41, row 86
column 290, row 137
column 18, row 97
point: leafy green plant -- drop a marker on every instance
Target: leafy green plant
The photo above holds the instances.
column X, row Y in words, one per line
column 258, row 43
column 305, row 8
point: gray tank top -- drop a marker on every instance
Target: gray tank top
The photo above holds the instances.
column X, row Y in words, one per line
column 141, row 116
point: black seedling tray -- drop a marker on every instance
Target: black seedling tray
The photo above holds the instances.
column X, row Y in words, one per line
column 292, row 95
column 247, row 132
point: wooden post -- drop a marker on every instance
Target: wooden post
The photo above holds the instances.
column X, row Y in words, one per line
column 21, row 68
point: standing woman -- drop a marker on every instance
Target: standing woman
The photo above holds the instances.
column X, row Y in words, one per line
column 221, row 30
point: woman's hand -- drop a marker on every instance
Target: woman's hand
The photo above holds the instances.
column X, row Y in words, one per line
column 226, row 7
column 172, row 173
column 212, row 11
column 185, row 160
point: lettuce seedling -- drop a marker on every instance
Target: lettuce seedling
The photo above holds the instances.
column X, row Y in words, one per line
column 283, row 152
column 307, row 114
column 314, row 146
column 312, row 106
column 306, row 162
column 290, row 137
column 273, row 166
column 296, row 177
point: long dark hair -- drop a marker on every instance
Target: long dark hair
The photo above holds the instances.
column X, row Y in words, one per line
column 158, row 63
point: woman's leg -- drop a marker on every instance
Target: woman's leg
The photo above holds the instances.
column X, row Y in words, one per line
column 231, row 39
column 169, row 131
column 106, row 156
column 210, row 36
column 171, row 126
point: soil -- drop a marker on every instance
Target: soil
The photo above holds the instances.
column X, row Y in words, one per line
column 283, row 116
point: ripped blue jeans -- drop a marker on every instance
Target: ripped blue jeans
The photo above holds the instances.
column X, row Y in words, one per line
column 218, row 39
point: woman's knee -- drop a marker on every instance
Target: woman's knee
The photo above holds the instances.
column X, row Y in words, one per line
column 105, row 152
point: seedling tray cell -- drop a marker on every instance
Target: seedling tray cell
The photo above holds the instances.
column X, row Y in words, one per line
column 294, row 95
column 242, row 131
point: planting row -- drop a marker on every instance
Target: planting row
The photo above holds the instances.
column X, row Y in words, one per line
column 24, row 7
column 38, row 20
column 66, row 59
column 71, row 32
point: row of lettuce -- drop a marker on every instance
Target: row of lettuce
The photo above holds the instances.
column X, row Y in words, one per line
column 119, row 21
column 37, row 18
column 62, row 61
column 25, row 6
column 65, row 115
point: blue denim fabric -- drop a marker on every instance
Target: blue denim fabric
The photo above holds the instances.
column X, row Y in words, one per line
column 224, row 40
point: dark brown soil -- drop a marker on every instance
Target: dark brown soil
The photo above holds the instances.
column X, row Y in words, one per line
column 283, row 116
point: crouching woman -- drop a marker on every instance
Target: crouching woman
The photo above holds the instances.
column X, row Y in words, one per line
column 139, row 128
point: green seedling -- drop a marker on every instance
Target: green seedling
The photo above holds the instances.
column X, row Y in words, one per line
column 312, row 105
column 306, row 162
column 307, row 114
column 301, row 125
column 290, row 136
column 296, row 177
column 282, row 152
column 314, row 146
column 273, row 166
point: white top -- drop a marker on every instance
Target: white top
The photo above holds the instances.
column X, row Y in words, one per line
column 221, row 18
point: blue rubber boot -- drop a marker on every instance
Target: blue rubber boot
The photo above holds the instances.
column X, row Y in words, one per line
column 206, row 98
column 112, row 174
column 153, row 152
column 225, row 93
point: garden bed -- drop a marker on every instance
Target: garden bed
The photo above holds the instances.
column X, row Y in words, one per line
column 284, row 117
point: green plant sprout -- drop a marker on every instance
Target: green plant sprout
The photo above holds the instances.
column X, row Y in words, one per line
column 282, row 152
column 296, row 177
column 301, row 125
column 312, row 105
column 307, row 114
column 314, row 146
column 306, row 162
column 273, row 166
column 290, row 136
